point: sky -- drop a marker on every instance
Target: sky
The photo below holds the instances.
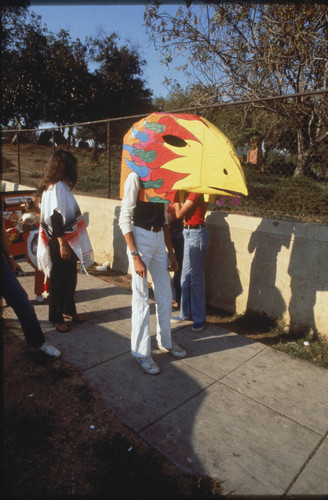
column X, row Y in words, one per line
column 126, row 19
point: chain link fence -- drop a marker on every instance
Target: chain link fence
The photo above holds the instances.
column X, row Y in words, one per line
column 286, row 172
column 96, row 145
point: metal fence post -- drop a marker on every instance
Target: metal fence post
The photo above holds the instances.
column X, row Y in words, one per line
column 108, row 160
column 53, row 140
column 18, row 160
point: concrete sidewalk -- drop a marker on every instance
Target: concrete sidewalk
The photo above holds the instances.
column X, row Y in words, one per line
column 235, row 410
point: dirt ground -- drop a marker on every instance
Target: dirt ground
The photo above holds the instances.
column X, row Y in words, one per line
column 60, row 441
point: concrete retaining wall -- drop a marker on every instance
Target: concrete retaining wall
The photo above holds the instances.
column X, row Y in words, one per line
column 279, row 268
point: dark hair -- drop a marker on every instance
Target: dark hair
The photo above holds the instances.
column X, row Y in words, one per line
column 30, row 203
column 61, row 166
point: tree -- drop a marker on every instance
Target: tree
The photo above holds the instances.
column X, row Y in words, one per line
column 67, row 80
column 245, row 51
column 46, row 76
column 117, row 88
column 16, row 88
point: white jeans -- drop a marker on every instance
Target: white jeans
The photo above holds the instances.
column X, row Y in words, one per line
column 152, row 249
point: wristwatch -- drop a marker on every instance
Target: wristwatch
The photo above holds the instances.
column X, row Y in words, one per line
column 135, row 252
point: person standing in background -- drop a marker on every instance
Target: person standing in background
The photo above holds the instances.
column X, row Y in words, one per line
column 176, row 233
column 196, row 242
column 63, row 239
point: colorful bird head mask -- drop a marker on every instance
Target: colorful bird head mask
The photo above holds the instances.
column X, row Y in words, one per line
column 180, row 152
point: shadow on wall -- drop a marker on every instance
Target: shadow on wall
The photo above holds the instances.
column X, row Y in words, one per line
column 263, row 295
column 308, row 270
column 120, row 258
column 222, row 274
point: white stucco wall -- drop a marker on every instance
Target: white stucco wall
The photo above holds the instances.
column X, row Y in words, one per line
column 269, row 266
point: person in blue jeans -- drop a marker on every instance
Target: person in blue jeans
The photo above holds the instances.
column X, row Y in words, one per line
column 16, row 297
column 196, row 242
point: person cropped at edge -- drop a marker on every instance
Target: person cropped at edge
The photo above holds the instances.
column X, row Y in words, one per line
column 145, row 229
column 196, row 242
column 62, row 238
column 16, row 297
column 32, row 208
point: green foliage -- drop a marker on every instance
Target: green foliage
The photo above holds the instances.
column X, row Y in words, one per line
column 278, row 196
column 46, row 77
column 67, row 80
column 236, row 48
column 309, row 347
column 93, row 173
column 240, row 50
column 117, row 89
column 315, row 350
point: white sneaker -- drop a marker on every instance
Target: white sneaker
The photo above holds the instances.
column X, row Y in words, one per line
column 148, row 365
column 175, row 350
column 50, row 350
column 39, row 299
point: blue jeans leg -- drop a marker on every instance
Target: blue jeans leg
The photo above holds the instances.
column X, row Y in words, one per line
column 193, row 297
column 17, row 298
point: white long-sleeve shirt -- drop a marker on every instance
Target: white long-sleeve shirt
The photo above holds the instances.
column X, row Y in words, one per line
column 129, row 202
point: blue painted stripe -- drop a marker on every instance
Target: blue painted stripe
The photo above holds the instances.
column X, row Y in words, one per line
column 140, row 135
column 129, row 148
column 140, row 171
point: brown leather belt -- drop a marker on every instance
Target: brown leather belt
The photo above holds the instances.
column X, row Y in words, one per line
column 147, row 227
column 198, row 226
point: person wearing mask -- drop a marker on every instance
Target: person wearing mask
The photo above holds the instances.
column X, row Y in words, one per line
column 146, row 232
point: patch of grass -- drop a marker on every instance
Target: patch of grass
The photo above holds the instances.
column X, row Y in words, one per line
column 36, row 175
column 277, row 196
column 309, row 348
column 301, row 345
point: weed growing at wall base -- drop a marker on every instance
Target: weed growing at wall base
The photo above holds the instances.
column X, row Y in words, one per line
column 314, row 350
column 307, row 346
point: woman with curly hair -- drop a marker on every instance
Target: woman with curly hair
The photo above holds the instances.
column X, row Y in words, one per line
column 63, row 239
